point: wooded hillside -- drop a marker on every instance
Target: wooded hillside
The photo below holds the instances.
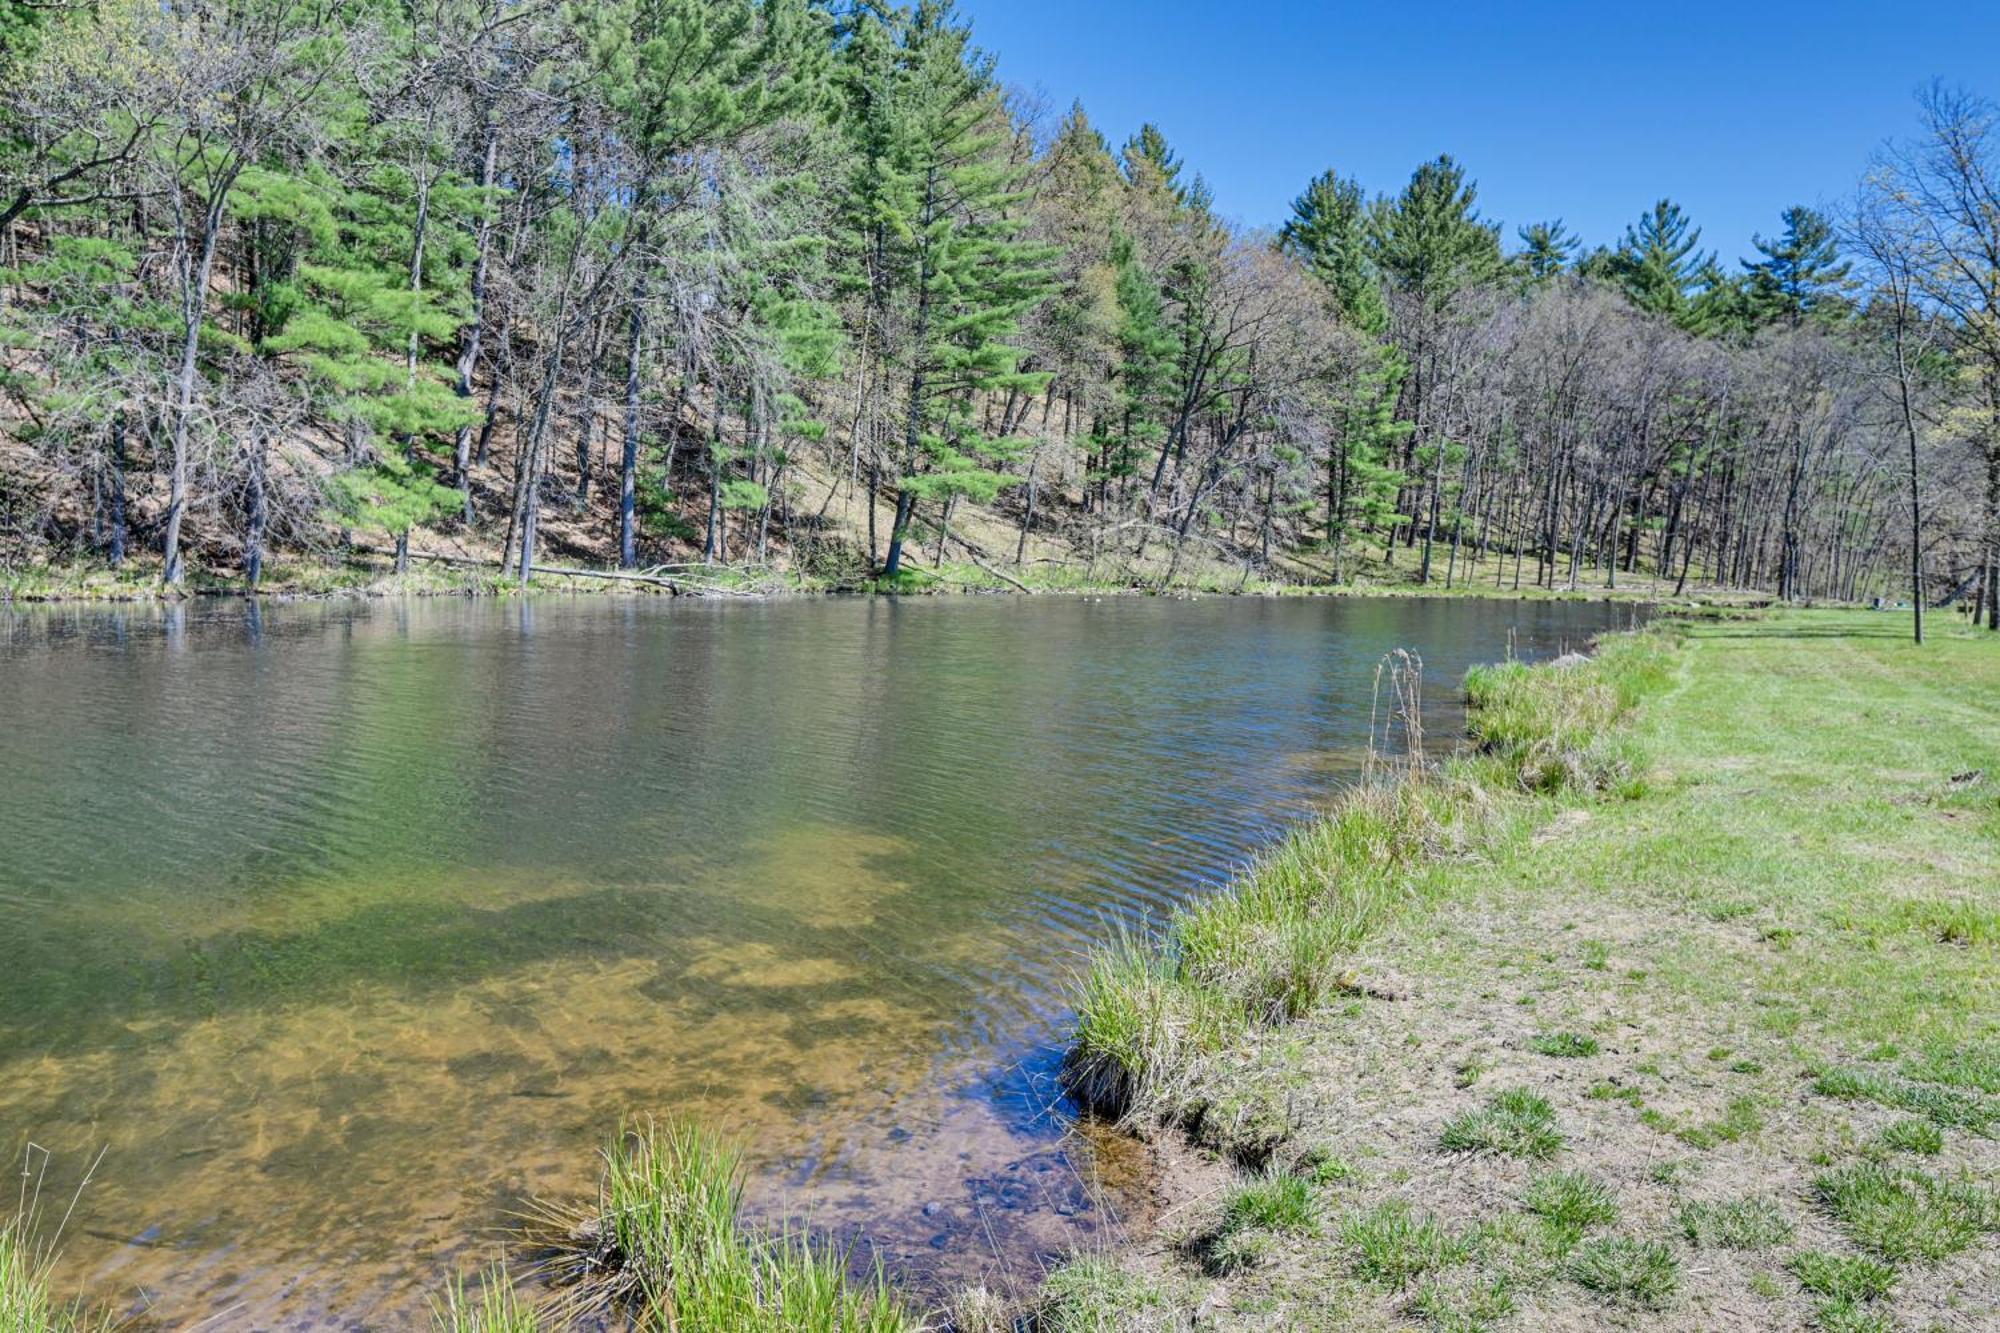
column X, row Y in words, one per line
column 792, row 280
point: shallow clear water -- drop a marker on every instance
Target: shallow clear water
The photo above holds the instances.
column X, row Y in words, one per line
column 346, row 928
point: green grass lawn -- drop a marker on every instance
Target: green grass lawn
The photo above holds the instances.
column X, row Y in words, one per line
column 1718, row 1048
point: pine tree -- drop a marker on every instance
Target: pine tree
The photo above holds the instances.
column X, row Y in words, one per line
column 679, row 76
column 1430, row 240
column 1431, row 243
column 1660, row 263
column 1146, row 348
column 952, row 276
column 1362, row 476
column 359, row 323
column 1328, row 231
column 1801, row 275
column 1546, row 249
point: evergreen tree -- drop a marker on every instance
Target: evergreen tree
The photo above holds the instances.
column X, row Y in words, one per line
column 357, row 321
column 680, row 76
column 1431, row 243
column 1660, row 264
column 952, row 273
column 1328, row 231
column 1801, row 274
column 1546, row 249
column 1430, row 240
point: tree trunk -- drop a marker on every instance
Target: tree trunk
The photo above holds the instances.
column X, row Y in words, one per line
column 194, row 310
column 468, row 349
column 628, row 464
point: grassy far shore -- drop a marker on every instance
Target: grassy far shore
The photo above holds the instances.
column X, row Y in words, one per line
column 1678, row 1006
column 368, row 575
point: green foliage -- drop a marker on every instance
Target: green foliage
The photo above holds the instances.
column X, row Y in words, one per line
column 1563, row 1045
column 1547, row 248
column 1660, row 264
column 1572, row 1201
column 1944, row 1106
column 1328, row 231
column 934, row 202
column 1514, row 1123
column 1627, row 1270
column 1903, row 1214
column 496, row 1307
column 1275, row 1201
column 1393, row 1245
column 1735, row 1224
column 664, row 1243
column 1092, row 1296
column 26, row 1304
column 1430, row 240
column 1801, row 275
column 1913, row 1136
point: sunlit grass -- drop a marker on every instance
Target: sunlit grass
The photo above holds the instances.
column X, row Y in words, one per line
column 665, row 1244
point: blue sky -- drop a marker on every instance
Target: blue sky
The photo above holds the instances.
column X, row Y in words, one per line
column 1587, row 112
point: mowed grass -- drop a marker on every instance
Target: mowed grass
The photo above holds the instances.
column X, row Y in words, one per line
column 1702, row 1013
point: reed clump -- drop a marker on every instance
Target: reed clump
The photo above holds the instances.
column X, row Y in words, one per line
column 664, row 1246
column 1552, row 728
column 1159, row 1021
column 26, row 1302
column 29, row 1246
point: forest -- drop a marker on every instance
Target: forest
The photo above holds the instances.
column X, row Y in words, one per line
column 800, row 284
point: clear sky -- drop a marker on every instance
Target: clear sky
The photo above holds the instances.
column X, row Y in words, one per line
column 1588, row 112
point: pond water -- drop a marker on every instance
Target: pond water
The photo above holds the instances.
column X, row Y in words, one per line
column 346, row 928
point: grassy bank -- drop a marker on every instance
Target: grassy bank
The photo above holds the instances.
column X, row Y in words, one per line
column 1676, row 1006
column 372, row 573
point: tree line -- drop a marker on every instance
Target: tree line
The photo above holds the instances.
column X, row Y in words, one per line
column 724, row 278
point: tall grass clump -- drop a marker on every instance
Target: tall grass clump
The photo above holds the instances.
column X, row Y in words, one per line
column 1553, row 728
column 664, row 1246
column 1267, row 950
column 495, row 1308
column 1154, row 1017
column 26, row 1305
column 28, row 1250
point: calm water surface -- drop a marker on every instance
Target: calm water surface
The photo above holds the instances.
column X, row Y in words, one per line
column 345, row 928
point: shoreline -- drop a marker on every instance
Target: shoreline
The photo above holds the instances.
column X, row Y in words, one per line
column 1295, row 1046
column 82, row 586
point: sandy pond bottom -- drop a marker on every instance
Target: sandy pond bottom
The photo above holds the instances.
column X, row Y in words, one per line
column 345, row 929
